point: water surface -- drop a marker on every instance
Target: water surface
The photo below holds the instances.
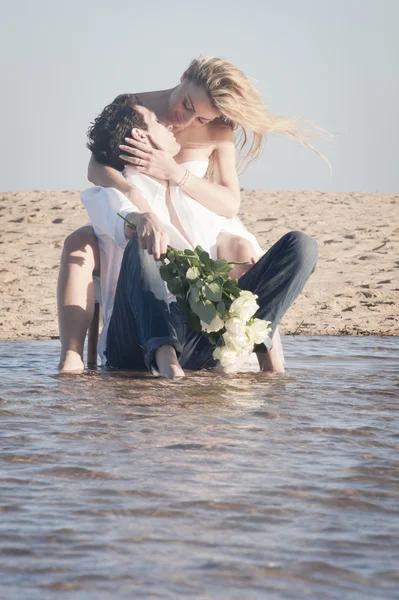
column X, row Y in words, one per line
column 244, row 487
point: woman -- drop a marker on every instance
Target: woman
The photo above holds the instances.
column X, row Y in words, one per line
column 213, row 99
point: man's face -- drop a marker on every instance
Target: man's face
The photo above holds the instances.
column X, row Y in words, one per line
column 189, row 104
column 162, row 135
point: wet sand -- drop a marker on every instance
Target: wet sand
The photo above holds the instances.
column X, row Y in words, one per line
column 355, row 289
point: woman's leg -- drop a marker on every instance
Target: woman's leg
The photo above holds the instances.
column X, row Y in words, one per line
column 272, row 361
column 145, row 332
column 75, row 295
column 234, row 248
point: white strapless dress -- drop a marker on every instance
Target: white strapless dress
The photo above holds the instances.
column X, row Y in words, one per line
column 201, row 225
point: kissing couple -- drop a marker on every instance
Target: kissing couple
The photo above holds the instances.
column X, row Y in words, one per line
column 166, row 161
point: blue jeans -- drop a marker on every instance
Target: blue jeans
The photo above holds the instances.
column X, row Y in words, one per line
column 142, row 320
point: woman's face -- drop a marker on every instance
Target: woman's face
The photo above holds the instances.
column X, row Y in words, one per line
column 189, row 104
column 162, row 134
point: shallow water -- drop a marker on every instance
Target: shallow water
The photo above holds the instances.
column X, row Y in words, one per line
column 113, row 486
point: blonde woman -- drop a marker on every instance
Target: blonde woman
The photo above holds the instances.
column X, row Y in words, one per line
column 215, row 113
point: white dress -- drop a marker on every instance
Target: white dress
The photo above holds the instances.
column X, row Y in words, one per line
column 201, row 225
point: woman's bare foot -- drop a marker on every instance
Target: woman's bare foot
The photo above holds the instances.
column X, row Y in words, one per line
column 71, row 363
column 269, row 363
column 167, row 363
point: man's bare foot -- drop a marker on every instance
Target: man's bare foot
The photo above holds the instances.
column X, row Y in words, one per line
column 167, row 363
column 72, row 364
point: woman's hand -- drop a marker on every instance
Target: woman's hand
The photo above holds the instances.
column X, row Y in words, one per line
column 149, row 158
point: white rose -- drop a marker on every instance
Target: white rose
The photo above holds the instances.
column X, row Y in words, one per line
column 238, row 343
column 245, row 306
column 215, row 325
column 225, row 355
column 235, row 326
column 258, row 331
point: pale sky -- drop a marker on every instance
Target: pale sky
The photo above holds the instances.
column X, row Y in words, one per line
column 332, row 62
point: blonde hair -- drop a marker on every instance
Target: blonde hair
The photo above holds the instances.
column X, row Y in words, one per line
column 234, row 95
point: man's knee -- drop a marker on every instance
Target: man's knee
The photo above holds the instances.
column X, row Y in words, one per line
column 306, row 249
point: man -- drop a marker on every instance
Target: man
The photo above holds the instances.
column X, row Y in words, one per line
column 125, row 117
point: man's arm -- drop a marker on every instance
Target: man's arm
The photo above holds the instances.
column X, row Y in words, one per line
column 103, row 206
column 108, row 177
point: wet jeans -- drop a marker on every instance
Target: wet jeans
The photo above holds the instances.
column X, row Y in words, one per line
column 142, row 320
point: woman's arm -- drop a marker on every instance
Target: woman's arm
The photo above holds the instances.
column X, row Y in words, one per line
column 223, row 196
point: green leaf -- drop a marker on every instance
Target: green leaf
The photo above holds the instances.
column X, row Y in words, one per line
column 220, row 279
column 231, row 286
column 171, row 256
column 193, row 273
column 194, row 293
column 221, row 266
column 191, row 260
column 190, row 253
column 175, row 287
column 221, row 308
column 203, row 255
column 193, row 298
column 206, row 310
column 165, row 272
column 213, row 292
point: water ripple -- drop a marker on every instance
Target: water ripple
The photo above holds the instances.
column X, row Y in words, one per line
column 121, row 485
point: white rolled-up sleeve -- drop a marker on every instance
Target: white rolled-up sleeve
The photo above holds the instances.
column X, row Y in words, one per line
column 103, row 205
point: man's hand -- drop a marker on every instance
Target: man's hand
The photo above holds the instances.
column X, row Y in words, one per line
column 152, row 234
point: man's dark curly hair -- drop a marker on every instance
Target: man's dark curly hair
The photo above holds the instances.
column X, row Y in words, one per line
column 111, row 127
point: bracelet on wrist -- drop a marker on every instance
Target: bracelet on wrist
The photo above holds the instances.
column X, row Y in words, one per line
column 184, row 178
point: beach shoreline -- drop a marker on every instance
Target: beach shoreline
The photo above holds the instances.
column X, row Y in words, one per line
column 354, row 290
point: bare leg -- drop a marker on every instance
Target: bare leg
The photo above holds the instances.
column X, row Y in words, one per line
column 271, row 362
column 75, row 296
column 167, row 362
column 235, row 248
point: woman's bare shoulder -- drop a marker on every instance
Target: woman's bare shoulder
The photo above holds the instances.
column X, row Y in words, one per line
column 220, row 131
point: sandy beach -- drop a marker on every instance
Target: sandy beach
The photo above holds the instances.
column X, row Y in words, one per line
column 355, row 289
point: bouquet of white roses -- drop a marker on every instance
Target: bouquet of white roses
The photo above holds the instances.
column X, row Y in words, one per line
column 213, row 302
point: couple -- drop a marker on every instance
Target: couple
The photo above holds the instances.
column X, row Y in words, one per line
column 169, row 198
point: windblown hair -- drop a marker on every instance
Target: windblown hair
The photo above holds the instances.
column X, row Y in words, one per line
column 110, row 128
column 234, row 95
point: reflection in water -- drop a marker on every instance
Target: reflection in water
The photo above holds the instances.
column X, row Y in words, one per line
column 121, row 485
